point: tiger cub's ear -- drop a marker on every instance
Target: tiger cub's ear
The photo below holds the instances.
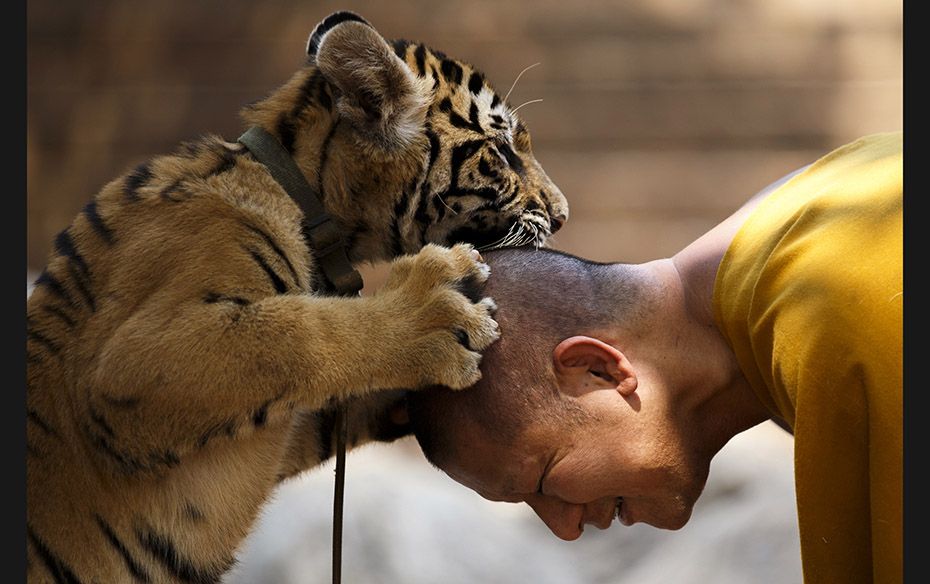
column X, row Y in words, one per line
column 379, row 94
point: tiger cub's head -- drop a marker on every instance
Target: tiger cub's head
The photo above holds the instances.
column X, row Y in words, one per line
column 410, row 146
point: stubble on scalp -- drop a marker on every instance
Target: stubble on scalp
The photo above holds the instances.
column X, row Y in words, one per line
column 543, row 297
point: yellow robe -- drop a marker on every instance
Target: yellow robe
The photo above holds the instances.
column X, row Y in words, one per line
column 810, row 297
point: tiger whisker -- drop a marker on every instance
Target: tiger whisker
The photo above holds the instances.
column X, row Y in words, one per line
column 519, row 234
column 535, row 235
column 500, row 242
column 514, row 110
column 520, row 74
column 507, row 241
column 524, row 237
column 513, row 235
column 524, row 232
column 535, row 229
column 454, row 212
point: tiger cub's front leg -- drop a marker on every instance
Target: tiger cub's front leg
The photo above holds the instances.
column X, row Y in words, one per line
column 199, row 371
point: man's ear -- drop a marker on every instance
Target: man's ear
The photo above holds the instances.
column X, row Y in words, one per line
column 584, row 364
column 378, row 93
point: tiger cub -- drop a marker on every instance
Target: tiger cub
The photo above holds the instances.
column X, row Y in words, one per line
column 181, row 361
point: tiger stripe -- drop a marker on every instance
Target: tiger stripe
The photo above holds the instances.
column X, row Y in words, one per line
column 310, row 90
column 451, row 71
column 497, row 123
column 475, row 82
column 227, row 427
column 133, row 565
column 190, row 149
column 167, row 458
column 34, row 417
column 192, row 512
column 126, row 463
column 168, row 193
column 400, row 47
column 396, row 243
column 314, row 90
column 226, row 163
column 401, row 206
column 473, row 118
column 419, row 56
column 459, row 155
column 287, row 122
column 260, row 415
column 277, row 250
column 515, row 162
column 286, row 131
column 421, row 217
column 322, row 94
column 49, row 281
column 59, row 570
column 96, row 221
column 458, row 121
column 83, row 288
column 60, row 314
column 137, row 179
column 50, row 345
column 64, row 246
column 509, row 197
column 163, row 549
column 485, row 169
column 97, row 418
column 276, row 280
column 433, row 149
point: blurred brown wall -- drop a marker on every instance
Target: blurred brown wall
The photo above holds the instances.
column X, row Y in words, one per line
column 659, row 116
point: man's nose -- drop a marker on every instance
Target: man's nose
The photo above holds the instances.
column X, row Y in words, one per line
column 565, row 520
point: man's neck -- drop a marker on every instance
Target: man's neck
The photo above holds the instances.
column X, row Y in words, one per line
column 698, row 262
column 709, row 394
column 718, row 399
column 686, row 370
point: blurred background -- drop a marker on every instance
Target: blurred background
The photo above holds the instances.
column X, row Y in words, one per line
column 658, row 119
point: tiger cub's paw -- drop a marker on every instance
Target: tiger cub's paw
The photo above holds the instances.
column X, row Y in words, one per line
column 438, row 292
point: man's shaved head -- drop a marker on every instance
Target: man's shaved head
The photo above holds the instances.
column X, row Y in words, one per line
column 543, row 297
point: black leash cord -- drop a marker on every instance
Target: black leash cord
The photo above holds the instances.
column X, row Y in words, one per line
column 329, row 245
column 339, row 490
